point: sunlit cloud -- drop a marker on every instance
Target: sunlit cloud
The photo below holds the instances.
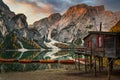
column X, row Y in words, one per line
column 31, row 10
column 37, row 9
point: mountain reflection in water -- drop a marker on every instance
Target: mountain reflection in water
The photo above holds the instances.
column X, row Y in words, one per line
column 33, row 55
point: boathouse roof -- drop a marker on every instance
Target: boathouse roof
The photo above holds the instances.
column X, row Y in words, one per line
column 102, row 33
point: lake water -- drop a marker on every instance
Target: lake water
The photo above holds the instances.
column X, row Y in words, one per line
column 33, row 55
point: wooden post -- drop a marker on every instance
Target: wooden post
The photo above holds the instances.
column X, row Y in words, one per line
column 87, row 68
column 110, row 67
column 91, row 60
column 109, row 73
column 91, row 65
column 99, row 64
column 79, row 62
column 75, row 61
column 100, row 26
column 95, row 67
column 85, row 64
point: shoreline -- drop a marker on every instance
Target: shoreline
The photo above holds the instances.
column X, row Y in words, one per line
column 56, row 74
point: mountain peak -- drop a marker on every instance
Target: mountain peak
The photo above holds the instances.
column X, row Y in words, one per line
column 54, row 17
column 3, row 6
column 100, row 8
column 83, row 8
column 78, row 6
column 54, row 14
column 20, row 20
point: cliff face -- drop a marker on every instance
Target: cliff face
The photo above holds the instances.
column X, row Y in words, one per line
column 76, row 22
column 5, row 16
column 41, row 28
column 12, row 27
column 9, row 21
column 79, row 19
column 19, row 23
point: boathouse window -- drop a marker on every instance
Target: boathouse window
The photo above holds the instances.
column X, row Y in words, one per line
column 99, row 41
column 94, row 40
column 110, row 48
column 109, row 42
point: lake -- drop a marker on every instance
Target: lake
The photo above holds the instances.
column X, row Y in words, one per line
column 48, row 54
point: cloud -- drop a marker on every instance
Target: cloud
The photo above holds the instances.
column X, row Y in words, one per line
column 33, row 5
column 62, row 5
column 53, row 5
column 33, row 11
column 112, row 4
column 37, row 9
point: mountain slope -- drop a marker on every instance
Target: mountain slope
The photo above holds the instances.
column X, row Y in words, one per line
column 40, row 29
column 80, row 19
column 74, row 24
column 10, row 21
column 13, row 28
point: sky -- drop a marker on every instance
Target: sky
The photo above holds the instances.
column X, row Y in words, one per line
column 38, row 9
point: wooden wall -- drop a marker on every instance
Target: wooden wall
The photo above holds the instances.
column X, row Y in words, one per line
column 118, row 46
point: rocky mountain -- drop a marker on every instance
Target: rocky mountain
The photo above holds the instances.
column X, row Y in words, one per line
column 40, row 29
column 74, row 24
column 5, row 16
column 69, row 27
column 9, row 21
column 80, row 19
column 13, row 28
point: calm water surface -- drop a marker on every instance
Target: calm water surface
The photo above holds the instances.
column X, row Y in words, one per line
column 33, row 55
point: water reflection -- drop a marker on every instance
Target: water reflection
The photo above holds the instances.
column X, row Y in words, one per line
column 33, row 55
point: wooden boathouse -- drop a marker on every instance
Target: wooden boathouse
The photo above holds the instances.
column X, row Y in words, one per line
column 99, row 45
column 103, row 44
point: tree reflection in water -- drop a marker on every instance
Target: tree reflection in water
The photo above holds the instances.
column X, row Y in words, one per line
column 33, row 55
